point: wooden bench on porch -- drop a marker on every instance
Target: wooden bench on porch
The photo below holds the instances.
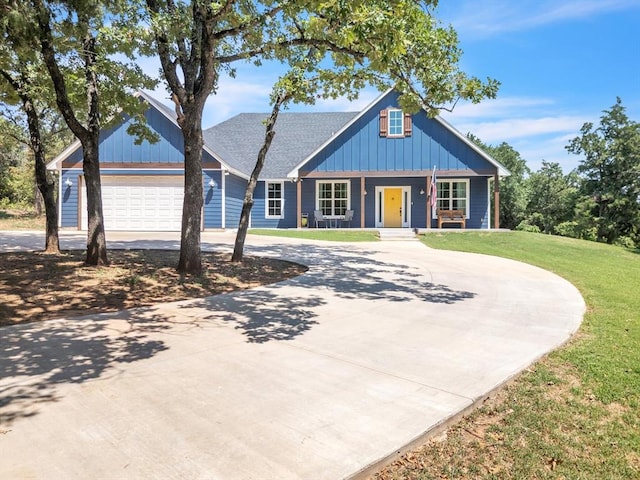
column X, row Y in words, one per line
column 451, row 216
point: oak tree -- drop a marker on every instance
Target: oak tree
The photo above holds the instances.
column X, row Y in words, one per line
column 611, row 171
column 380, row 42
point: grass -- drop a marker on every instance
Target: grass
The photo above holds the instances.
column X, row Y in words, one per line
column 575, row 414
column 329, row 235
column 20, row 219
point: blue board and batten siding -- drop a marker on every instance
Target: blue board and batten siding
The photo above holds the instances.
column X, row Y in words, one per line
column 117, row 146
column 259, row 211
column 360, row 148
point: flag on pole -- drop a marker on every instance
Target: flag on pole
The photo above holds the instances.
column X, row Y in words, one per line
column 433, row 194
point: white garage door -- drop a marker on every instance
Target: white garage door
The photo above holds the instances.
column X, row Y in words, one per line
column 143, row 203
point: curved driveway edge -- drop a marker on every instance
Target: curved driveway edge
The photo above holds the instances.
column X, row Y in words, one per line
column 316, row 377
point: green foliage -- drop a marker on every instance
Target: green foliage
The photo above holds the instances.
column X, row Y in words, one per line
column 331, row 48
column 21, row 183
column 11, row 155
column 525, row 226
column 112, row 32
column 16, row 167
column 575, row 229
column 611, row 168
column 514, row 189
column 552, row 197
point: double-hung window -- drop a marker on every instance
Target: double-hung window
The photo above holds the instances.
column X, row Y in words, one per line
column 396, row 123
column 274, row 200
column 333, row 197
column 454, row 195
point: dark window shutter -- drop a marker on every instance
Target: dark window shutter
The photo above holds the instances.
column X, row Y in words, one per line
column 407, row 124
column 384, row 124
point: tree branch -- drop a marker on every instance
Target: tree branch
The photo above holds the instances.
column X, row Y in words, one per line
column 59, row 84
column 230, row 32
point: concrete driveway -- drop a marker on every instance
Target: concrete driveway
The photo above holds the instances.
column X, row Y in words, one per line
column 317, row 377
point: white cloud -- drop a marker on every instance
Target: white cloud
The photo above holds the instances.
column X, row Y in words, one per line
column 511, row 128
column 343, row 104
column 498, row 16
column 497, row 107
column 552, row 149
column 538, row 128
column 237, row 96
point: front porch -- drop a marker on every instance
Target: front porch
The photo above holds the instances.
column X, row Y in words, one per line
column 401, row 202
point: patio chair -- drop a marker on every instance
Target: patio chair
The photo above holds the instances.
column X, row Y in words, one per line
column 318, row 217
column 348, row 218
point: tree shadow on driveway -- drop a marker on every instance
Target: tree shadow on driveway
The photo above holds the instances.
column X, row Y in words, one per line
column 357, row 274
column 37, row 359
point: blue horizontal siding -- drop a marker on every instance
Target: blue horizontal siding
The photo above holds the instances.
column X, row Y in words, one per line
column 69, row 198
column 259, row 210
column 212, row 208
column 360, row 147
column 235, row 188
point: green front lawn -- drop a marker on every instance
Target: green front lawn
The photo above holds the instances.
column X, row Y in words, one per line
column 575, row 414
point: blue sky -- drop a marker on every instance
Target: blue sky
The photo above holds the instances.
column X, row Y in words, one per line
column 560, row 62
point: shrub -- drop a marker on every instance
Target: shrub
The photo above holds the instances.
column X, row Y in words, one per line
column 525, row 226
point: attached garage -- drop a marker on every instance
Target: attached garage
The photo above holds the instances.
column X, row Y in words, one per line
column 139, row 203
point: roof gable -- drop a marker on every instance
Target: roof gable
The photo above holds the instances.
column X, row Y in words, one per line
column 119, row 147
column 359, row 147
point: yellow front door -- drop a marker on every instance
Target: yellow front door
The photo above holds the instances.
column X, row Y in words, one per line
column 392, row 207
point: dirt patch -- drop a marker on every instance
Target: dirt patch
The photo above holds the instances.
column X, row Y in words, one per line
column 35, row 286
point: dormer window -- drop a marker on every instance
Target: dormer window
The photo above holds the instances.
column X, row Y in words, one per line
column 394, row 123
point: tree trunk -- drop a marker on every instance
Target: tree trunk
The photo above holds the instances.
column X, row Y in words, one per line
column 52, row 241
column 45, row 182
column 96, row 240
column 47, row 187
column 241, row 236
column 190, row 262
column 89, row 136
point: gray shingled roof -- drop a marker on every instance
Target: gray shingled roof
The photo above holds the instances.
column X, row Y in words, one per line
column 238, row 140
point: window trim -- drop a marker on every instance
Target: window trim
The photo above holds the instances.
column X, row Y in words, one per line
column 406, row 125
column 395, row 135
column 467, row 190
column 333, row 182
column 266, row 199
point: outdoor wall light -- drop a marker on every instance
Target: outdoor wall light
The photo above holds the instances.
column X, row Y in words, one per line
column 422, row 191
column 212, row 183
column 68, row 182
column 364, row 193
